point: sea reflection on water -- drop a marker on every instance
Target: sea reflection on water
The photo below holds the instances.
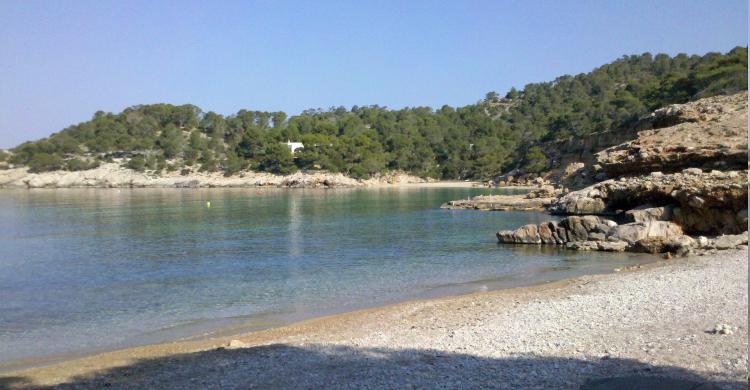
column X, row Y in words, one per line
column 85, row 270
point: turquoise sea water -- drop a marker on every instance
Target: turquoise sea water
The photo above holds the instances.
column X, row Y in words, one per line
column 89, row 270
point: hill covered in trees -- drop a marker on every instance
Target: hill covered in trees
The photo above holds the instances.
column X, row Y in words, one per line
column 475, row 141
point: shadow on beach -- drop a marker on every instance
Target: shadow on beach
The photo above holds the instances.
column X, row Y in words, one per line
column 317, row 366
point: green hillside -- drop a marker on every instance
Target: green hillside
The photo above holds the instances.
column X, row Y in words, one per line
column 475, row 141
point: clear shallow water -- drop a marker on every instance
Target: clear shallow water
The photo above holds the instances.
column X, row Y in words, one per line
column 90, row 270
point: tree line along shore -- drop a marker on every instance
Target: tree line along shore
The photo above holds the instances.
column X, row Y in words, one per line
column 648, row 153
column 477, row 141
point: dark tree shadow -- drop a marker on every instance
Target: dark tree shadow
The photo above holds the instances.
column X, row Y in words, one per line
column 12, row 382
column 334, row 367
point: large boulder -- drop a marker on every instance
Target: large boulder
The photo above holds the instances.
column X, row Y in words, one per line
column 653, row 237
column 526, row 234
column 730, row 241
column 680, row 245
column 710, row 220
column 647, row 213
column 652, row 230
column 547, row 232
column 586, row 201
column 578, row 228
column 506, row 236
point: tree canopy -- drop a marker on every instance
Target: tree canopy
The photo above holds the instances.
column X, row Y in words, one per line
column 475, row 141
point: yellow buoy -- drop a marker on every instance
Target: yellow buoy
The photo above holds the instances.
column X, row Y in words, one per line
column 208, row 204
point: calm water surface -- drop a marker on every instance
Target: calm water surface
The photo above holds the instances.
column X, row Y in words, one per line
column 90, row 270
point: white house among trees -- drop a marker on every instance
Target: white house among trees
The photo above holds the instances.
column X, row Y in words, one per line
column 293, row 146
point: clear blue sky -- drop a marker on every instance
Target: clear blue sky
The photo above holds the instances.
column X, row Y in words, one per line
column 60, row 61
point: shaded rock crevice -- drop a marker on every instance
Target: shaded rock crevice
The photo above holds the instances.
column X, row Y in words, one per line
column 701, row 202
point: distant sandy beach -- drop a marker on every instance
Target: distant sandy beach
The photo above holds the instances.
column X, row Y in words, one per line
column 113, row 175
column 684, row 318
column 429, row 184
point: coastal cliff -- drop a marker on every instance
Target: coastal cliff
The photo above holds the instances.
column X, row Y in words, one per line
column 708, row 133
column 681, row 186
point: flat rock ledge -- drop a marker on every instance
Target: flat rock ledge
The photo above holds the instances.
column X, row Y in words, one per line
column 592, row 232
column 536, row 200
column 500, row 203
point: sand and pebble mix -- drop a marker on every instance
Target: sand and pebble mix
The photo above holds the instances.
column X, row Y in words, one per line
column 685, row 318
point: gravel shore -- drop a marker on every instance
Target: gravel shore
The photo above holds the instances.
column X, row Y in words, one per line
column 113, row 175
column 685, row 319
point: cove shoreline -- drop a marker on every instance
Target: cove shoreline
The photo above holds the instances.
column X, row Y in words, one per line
column 113, row 175
column 220, row 328
column 394, row 326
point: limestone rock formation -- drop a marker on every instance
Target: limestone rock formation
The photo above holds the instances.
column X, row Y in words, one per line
column 646, row 213
column 709, row 133
column 501, row 203
column 685, row 173
column 596, row 233
column 701, row 202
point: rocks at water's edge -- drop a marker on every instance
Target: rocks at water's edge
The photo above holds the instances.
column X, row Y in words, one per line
column 536, row 200
column 685, row 174
column 712, row 202
column 591, row 232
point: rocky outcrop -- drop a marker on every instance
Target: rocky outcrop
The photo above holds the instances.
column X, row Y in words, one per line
column 113, row 175
column 709, row 133
column 537, row 199
column 701, row 202
column 596, row 233
column 545, row 191
column 518, row 178
column 684, row 174
column 703, row 110
column 501, row 203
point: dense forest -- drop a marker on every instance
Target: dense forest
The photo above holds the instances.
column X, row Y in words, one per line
column 475, row 141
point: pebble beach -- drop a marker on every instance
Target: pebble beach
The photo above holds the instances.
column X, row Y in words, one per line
column 679, row 320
